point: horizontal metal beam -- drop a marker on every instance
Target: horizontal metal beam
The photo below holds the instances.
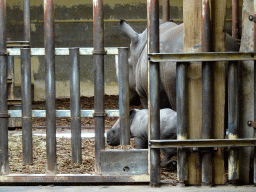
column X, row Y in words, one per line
column 199, row 57
column 63, row 51
column 14, row 101
column 72, row 178
column 62, row 113
column 203, row 143
column 20, row 44
column 91, row 21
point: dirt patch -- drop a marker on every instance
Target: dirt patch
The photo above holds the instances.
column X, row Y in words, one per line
column 64, row 160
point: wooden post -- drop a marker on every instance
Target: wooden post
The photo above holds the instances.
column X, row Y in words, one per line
column 218, row 36
column 192, row 43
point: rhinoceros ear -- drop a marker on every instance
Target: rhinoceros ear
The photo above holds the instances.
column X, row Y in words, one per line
column 128, row 31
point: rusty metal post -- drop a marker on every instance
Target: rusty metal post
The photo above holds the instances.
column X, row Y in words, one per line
column 123, row 81
column 75, row 105
column 233, row 163
column 154, row 79
column 207, row 98
column 49, row 33
column 3, row 88
column 26, row 15
column 26, row 106
column 181, row 101
column 98, row 60
column 166, row 10
column 235, row 18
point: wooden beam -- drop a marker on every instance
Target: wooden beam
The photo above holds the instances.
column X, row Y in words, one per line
column 192, row 43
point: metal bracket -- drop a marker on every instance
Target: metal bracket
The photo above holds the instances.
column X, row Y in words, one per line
column 252, row 18
column 94, row 52
column 4, row 115
column 99, row 114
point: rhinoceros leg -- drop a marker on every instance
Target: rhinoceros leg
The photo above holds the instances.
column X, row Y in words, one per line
column 140, row 143
column 168, row 154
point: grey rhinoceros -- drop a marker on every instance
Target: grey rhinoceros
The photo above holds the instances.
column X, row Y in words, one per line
column 139, row 131
column 171, row 40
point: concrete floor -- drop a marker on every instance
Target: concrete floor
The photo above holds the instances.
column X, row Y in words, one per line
column 123, row 188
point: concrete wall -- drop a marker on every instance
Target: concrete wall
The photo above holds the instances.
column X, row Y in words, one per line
column 74, row 29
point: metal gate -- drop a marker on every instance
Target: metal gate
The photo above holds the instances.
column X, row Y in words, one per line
column 206, row 145
column 103, row 171
column 106, row 171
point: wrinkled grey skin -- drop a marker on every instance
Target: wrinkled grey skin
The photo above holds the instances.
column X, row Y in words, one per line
column 171, row 40
column 139, row 131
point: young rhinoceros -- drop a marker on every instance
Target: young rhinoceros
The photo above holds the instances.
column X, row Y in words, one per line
column 139, row 131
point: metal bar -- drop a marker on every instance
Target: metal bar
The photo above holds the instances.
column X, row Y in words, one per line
column 166, row 10
column 123, row 81
column 235, row 20
column 75, row 106
column 254, row 150
column 3, row 88
column 49, row 33
column 11, row 67
column 98, row 58
column 26, row 15
column 74, row 178
column 153, row 88
column 69, row 127
column 26, row 106
column 17, row 44
column 199, row 57
column 207, row 91
column 181, row 100
column 153, row 57
column 91, row 21
column 10, row 77
column 203, row 143
column 61, row 113
column 63, row 51
column 233, row 167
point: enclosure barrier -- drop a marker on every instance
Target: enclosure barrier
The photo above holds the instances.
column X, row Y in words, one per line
column 51, row 113
column 99, row 113
column 183, row 59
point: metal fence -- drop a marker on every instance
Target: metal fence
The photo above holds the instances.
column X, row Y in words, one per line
column 99, row 113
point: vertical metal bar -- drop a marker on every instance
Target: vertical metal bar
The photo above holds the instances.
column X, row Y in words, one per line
column 75, row 105
column 26, row 106
column 10, row 76
column 235, row 20
column 181, row 100
column 98, row 59
column 123, row 80
column 207, row 99
column 233, row 164
column 254, row 15
column 26, row 15
column 3, row 88
column 49, row 33
column 154, row 78
column 166, row 10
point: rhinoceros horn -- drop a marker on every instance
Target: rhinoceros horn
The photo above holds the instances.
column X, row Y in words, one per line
column 127, row 31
